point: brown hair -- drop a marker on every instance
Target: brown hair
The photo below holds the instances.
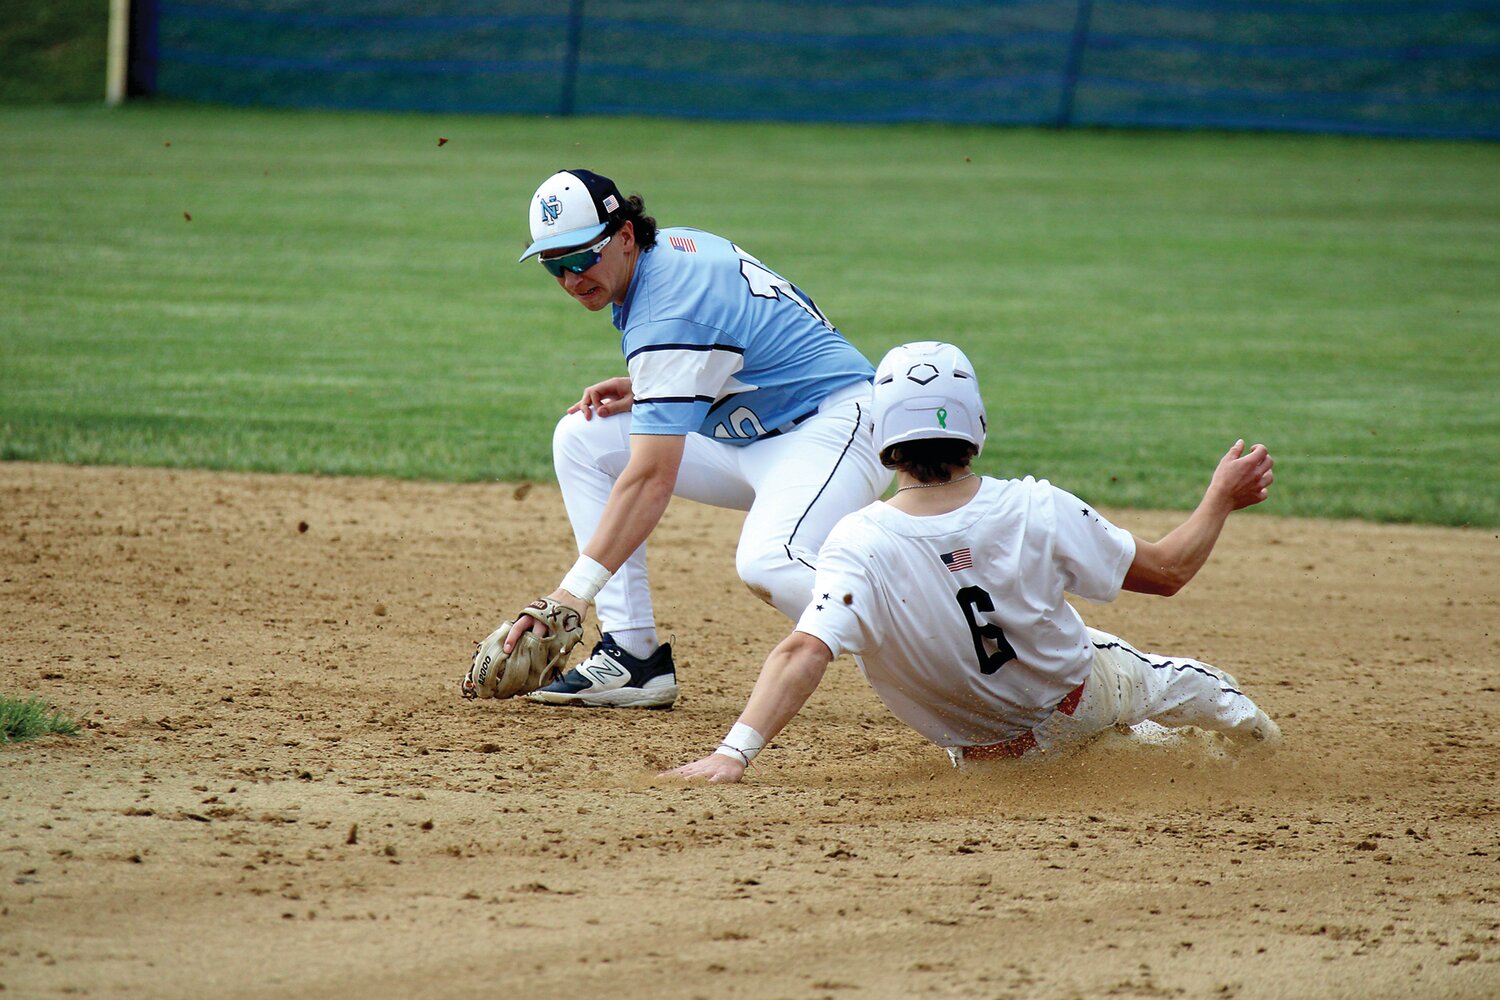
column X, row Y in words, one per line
column 634, row 212
column 932, row 460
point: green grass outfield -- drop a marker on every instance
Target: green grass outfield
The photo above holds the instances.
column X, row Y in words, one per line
column 345, row 297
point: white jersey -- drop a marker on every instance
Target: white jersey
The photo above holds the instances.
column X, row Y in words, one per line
column 958, row 620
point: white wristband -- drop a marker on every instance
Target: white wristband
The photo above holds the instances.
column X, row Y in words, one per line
column 586, row 578
column 742, row 743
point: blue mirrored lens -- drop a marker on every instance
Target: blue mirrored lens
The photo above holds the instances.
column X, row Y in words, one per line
column 578, row 261
column 575, row 262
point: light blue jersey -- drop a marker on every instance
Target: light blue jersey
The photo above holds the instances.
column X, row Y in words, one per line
column 718, row 343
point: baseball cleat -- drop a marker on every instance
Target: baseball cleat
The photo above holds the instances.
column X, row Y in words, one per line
column 1260, row 729
column 612, row 678
column 1265, row 729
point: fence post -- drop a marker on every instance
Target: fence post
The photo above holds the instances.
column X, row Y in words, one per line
column 116, row 52
column 1075, row 62
column 570, row 59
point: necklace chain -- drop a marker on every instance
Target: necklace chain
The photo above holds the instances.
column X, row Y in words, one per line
column 928, row 486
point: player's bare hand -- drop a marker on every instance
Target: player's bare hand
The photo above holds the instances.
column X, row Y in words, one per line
column 715, row 768
column 604, row 399
column 525, row 623
column 1243, row 477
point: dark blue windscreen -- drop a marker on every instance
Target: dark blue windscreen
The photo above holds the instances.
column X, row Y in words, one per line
column 1430, row 68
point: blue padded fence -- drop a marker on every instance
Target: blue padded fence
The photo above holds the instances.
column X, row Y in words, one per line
column 1368, row 66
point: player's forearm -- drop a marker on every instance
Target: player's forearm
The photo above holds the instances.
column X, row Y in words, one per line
column 635, row 507
column 791, row 674
column 638, row 498
column 1166, row 566
column 789, row 677
column 1242, row 479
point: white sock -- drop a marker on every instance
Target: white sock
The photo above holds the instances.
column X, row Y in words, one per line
column 638, row 642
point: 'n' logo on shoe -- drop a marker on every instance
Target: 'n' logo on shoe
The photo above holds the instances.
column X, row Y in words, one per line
column 603, row 673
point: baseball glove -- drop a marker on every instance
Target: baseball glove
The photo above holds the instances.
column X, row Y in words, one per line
column 534, row 662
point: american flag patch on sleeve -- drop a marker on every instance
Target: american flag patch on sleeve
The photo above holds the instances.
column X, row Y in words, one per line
column 957, row 560
column 683, row 243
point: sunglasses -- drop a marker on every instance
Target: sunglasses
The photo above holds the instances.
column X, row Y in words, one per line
column 578, row 261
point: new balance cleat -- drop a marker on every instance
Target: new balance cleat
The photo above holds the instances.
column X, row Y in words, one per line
column 612, row 678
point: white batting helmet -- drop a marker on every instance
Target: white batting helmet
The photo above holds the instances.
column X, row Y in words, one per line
column 927, row 390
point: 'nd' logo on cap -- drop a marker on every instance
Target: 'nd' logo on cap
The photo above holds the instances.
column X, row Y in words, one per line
column 551, row 209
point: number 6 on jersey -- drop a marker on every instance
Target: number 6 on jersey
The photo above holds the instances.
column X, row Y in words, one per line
column 972, row 599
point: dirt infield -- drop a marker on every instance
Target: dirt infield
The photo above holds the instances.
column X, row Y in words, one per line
column 280, row 793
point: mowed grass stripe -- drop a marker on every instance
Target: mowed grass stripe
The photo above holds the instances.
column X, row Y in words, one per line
column 344, row 298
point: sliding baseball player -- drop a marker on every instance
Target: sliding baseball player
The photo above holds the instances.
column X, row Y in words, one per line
column 950, row 595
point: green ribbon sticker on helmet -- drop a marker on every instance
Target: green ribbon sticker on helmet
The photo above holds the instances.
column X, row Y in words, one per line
column 942, row 415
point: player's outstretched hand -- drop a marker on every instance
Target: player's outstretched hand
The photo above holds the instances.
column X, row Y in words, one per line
column 1243, row 478
column 604, row 399
column 716, row 768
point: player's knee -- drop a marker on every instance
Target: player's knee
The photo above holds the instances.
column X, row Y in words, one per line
column 577, row 442
column 775, row 575
column 756, row 576
column 568, row 434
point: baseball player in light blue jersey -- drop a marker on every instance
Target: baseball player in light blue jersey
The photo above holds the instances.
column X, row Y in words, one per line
column 951, row 596
column 739, row 393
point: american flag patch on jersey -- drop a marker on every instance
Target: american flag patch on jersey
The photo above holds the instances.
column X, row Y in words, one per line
column 957, row 560
column 683, row 243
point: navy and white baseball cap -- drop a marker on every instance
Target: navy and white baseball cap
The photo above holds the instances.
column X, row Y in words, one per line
column 572, row 208
column 927, row 390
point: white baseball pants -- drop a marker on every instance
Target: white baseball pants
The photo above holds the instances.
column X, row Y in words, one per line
column 1127, row 686
column 794, row 486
